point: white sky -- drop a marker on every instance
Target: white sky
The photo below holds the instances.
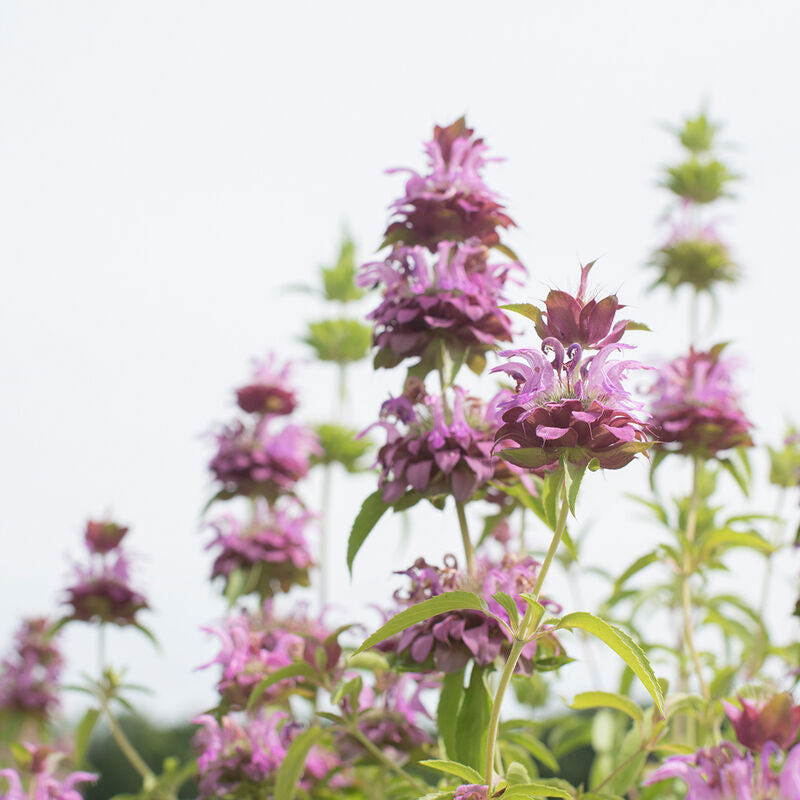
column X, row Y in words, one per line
column 166, row 166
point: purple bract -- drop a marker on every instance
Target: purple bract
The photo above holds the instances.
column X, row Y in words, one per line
column 774, row 720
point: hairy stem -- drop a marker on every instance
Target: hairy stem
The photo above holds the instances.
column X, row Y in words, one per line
column 469, row 550
column 686, row 590
column 382, row 758
column 522, row 638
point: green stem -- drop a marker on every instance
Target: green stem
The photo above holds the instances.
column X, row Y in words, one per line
column 469, row 550
column 323, row 536
column 382, row 758
column 494, row 721
column 137, row 762
column 519, row 643
column 688, row 568
column 617, row 770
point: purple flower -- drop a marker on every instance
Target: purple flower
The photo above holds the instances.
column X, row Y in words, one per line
column 271, row 550
column 43, row 784
column 104, row 536
column 472, row 791
column 390, row 716
column 436, row 450
column 256, row 645
column 247, row 754
column 572, row 407
column 447, row 642
column 576, row 320
column 451, row 201
column 774, row 720
column 696, row 407
column 452, row 300
column 269, row 393
column 725, row 773
column 29, row 678
column 253, row 460
column 102, row 591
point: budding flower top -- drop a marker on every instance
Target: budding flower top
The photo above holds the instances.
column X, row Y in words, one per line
column 270, row 392
column 695, row 405
column 450, row 201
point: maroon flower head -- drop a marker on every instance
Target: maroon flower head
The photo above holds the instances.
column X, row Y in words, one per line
column 756, row 723
column 29, row 678
column 269, row 393
column 448, row 642
column 578, row 320
column 695, row 406
column 254, row 461
column 271, row 550
column 574, row 408
column 451, row 201
column 452, row 300
column 436, row 450
column 104, row 536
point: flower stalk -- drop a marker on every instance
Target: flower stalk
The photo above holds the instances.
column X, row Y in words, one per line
column 469, row 550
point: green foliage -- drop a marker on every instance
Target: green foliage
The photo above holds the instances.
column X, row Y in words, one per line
column 784, row 464
column 697, row 134
column 700, row 181
column 698, row 262
column 339, row 281
column 341, row 341
column 341, row 445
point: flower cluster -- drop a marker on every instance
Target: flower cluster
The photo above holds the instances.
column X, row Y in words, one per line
column 472, row 791
column 43, row 784
column 102, row 590
column 241, row 758
column 437, row 450
column 270, row 392
column 776, row 719
column 725, row 773
column 447, row 642
column 29, row 678
column 452, row 302
column 695, row 406
column 271, row 548
column 256, row 645
column 451, row 201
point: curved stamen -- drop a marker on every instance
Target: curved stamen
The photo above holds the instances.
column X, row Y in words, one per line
column 553, row 345
column 574, row 353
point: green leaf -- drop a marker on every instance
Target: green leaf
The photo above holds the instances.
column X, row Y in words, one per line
column 372, row 509
column 148, row 633
column 536, row 790
column 538, row 749
column 293, row 764
column 83, row 733
column 736, row 474
column 510, row 606
column 526, row 309
column 586, row 700
column 450, row 699
column 573, row 476
column 441, row 604
column 473, row 720
column 623, row 646
column 530, row 457
column 372, row 660
column 467, row 774
column 300, row 669
column 726, row 538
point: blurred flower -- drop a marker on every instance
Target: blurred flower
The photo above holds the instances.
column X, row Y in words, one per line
column 576, row 320
column 447, row 642
column 579, row 409
column 694, row 255
column 472, row 791
column 435, row 450
column 102, row 591
column 270, row 393
column 696, row 407
column 241, row 758
column 451, row 201
column 254, row 646
column 452, row 301
column 774, row 720
column 29, row 677
column 103, row 537
column 43, row 784
column 725, row 773
column 784, row 464
column 270, row 553
column 256, row 461
column 390, row 716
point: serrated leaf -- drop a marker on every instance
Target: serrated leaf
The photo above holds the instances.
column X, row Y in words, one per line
column 622, row 645
column 372, row 509
column 467, row 774
column 441, row 604
column 293, row 764
column 586, row 700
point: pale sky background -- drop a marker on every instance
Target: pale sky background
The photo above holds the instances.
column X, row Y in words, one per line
column 165, row 167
